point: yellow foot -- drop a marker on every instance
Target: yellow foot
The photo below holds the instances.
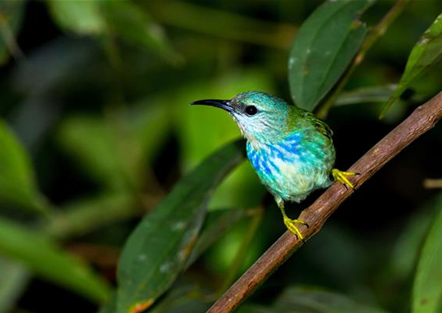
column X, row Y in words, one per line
column 342, row 177
column 291, row 225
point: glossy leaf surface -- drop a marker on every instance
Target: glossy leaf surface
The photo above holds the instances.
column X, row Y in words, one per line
column 157, row 250
column 425, row 54
column 323, row 48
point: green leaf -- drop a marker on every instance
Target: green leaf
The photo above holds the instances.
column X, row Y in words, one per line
column 81, row 17
column 14, row 279
column 11, row 16
column 308, row 300
column 47, row 260
column 216, row 225
column 83, row 216
column 184, row 298
column 366, row 95
column 107, row 153
column 132, row 24
column 17, row 181
column 427, row 288
column 121, row 18
column 158, row 249
column 407, row 248
column 425, row 54
column 324, row 46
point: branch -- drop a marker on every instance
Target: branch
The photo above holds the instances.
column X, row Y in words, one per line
column 419, row 122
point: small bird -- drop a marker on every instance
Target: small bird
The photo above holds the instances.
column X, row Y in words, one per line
column 290, row 148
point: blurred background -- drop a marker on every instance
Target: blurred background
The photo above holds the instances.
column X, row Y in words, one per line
column 96, row 97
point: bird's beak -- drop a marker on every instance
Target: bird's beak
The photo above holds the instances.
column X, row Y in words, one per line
column 222, row 104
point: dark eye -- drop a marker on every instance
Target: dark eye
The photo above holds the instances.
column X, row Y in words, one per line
column 251, row 110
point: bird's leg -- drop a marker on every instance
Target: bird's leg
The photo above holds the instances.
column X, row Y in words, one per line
column 289, row 223
column 342, row 177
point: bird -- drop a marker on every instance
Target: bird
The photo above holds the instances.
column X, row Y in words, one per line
column 291, row 149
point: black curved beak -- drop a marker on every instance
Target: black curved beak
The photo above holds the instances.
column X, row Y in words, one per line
column 222, row 104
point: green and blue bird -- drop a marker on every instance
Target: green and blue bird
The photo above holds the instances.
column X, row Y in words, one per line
column 290, row 148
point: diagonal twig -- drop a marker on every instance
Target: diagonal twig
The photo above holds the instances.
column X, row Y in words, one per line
column 419, row 122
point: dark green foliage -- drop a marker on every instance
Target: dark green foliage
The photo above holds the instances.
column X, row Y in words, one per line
column 105, row 169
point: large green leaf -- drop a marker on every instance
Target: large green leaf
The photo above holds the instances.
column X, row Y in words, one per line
column 427, row 288
column 324, row 46
column 309, row 300
column 215, row 226
column 15, row 276
column 17, row 181
column 158, row 249
column 47, row 260
column 425, row 54
column 11, row 14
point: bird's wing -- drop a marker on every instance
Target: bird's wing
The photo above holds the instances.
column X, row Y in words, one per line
column 319, row 125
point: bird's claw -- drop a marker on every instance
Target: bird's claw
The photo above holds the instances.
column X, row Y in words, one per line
column 341, row 177
column 291, row 226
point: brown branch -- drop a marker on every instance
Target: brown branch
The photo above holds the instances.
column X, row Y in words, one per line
column 419, row 122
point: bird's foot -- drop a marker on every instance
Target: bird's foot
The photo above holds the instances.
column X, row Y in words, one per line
column 291, row 225
column 342, row 177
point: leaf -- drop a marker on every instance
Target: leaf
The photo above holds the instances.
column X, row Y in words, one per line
column 217, row 223
column 324, row 46
column 81, row 17
column 184, row 298
column 14, row 279
column 17, row 181
column 406, row 250
column 366, row 95
column 84, row 216
column 47, row 260
column 111, row 156
column 132, row 24
column 427, row 288
column 308, row 300
column 425, row 54
column 158, row 248
column 11, row 16
column 121, row 18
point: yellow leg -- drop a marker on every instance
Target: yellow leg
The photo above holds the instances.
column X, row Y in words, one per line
column 291, row 224
column 342, row 177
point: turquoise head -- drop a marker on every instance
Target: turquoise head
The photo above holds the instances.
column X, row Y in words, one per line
column 262, row 118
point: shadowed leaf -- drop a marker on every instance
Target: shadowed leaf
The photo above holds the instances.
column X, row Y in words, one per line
column 217, row 223
column 309, row 300
column 11, row 14
column 427, row 288
column 104, row 150
column 132, row 24
column 366, row 95
column 425, row 54
column 157, row 250
column 324, row 47
column 121, row 18
column 17, row 181
column 14, row 279
column 47, row 260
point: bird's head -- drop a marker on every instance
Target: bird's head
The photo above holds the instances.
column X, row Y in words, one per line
column 262, row 118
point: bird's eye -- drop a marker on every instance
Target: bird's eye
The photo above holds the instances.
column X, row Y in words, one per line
column 251, row 110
